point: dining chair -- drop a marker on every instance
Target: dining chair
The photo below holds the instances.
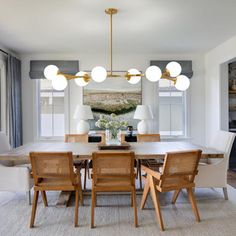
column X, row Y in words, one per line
column 75, row 138
column 148, row 137
column 79, row 138
column 53, row 171
column 152, row 163
column 178, row 173
column 213, row 174
column 13, row 178
column 113, row 172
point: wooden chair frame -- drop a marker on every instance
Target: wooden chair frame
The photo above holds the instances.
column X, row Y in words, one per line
column 148, row 162
column 109, row 178
column 40, row 184
column 148, row 138
column 75, row 138
column 79, row 138
column 157, row 182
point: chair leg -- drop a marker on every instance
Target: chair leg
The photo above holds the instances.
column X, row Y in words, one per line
column 76, row 207
column 145, row 193
column 80, row 188
column 193, row 203
column 81, row 196
column 34, row 207
column 225, row 193
column 85, row 173
column 29, row 196
column 140, row 174
column 156, row 202
column 92, row 209
column 175, row 196
column 135, row 208
column 44, row 197
column 88, row 170
column 95, row 199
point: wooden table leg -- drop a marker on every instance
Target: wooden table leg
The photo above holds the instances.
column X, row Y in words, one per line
column 63, row 199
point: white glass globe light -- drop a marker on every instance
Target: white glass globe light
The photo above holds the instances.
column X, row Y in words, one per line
column 182, row 83
column 134, row 79
column 174, row 68
column 59, row 82
column 80, row 81
column 99, row 74
column 50, row 72
column 153, row 73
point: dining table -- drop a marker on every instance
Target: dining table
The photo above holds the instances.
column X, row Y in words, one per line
column 83, row 151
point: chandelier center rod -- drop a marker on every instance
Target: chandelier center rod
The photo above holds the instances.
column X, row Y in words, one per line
column 111, row 12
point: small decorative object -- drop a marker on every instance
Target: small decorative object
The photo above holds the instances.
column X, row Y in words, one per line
column 113, row 128
column 129, row 130
column 143, row 113
column 123, row 146
column 83, row 113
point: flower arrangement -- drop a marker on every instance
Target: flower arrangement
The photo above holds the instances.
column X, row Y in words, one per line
column 111, row 123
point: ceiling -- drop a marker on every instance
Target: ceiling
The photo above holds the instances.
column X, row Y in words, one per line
column 141, row 26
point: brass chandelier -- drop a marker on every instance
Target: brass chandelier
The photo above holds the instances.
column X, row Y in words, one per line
column 133, row 76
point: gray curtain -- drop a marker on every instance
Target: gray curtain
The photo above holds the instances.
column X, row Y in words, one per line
column 14, row 101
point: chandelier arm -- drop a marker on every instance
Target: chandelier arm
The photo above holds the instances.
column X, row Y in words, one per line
column 70, row 77
column 166, row 75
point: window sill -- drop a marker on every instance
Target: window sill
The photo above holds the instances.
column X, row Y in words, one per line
column 175, row 138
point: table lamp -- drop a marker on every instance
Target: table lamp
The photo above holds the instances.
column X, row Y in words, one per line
column 83, row 113
column 143, row 113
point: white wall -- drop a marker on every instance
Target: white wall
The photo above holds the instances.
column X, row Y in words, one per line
column 196, row 97
column 216, row 85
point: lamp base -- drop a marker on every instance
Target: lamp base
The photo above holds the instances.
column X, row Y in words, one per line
column 143, row 127
column 82, row 127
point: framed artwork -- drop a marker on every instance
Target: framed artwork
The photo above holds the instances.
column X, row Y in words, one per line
column 114, row 95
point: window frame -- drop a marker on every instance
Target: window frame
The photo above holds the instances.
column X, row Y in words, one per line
column 66, row 115
column 186, row 116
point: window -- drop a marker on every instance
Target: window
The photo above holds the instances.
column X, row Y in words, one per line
column 172, row 110
column 51, row 111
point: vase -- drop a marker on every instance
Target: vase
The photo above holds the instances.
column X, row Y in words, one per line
column 113, row 136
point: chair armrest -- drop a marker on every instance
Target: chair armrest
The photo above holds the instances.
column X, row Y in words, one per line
column 153, row 173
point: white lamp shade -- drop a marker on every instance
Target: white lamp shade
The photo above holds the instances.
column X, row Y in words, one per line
column 50, row 72
column 182, row 83
column 59, row 82
column 134, row 79
column 174, row 68
column 153, row 73
column 99, row 74
column 83, row 112
column 80, row 81
column 143, row 112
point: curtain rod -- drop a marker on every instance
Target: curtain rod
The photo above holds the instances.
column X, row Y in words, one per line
column 3, row 51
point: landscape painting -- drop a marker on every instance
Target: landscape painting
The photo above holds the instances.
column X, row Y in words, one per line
column 114, row 95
